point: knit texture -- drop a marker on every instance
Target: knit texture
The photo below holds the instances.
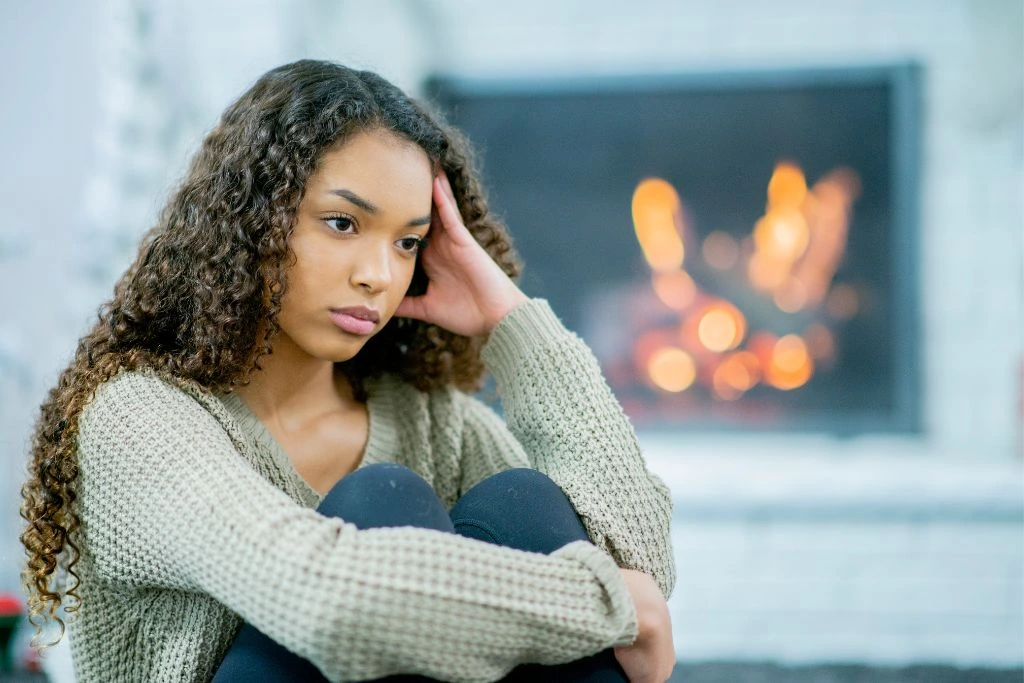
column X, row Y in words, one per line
column 193, row 519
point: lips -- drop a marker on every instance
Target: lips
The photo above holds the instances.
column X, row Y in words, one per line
column 357, row 320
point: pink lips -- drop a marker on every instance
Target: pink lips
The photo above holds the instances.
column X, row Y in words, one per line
column 355, row 319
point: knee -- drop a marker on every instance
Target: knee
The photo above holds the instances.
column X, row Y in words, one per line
column 385, row 494
column 382, row 476
column 521, row 508
column 516, row 483
column 380, row 482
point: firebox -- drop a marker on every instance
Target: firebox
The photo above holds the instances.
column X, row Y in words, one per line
column 738, row 249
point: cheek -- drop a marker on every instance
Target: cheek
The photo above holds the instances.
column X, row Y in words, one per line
column 402, row 275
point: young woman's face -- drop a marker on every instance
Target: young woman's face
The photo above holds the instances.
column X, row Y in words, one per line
column 355, row 239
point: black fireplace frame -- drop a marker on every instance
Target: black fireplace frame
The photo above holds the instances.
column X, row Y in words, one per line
column 904, row 84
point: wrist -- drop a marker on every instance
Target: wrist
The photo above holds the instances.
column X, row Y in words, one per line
column 509, row 303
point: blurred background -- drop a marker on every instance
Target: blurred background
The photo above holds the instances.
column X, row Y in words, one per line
column 791, row 232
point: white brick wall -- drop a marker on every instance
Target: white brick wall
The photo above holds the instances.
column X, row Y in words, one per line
column 880, row 592
column 798, row 548
column 971, row 215
column 883, row 564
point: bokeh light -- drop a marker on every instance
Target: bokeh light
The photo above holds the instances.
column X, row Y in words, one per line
column 791, row 365
column 721, row 327
column 720, row 250
column 674, row 288
column 672, row 369
column 656, row 213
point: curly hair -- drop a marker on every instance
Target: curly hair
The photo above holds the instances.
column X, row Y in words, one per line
column 199, row 305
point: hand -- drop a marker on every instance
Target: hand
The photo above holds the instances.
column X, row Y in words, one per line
column 651, row 658
column 468, row 292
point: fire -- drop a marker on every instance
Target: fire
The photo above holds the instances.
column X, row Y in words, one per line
column 787, row 187
column 791, row 296
column 737, row 374
column 675, row 289
column 721, row 327
column 782, row 234
column 790, row 257
column 672, row 369
column 800, row 240
column 791, row 365
column 656, row 212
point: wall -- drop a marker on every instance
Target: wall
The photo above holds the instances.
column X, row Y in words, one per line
column 789, row 547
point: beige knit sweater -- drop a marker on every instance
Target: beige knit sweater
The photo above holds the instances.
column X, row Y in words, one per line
column 193, row 519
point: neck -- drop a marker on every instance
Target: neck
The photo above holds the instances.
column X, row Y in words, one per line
column 293, row 387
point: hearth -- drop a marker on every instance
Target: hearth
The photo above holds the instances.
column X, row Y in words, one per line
column 739, row 249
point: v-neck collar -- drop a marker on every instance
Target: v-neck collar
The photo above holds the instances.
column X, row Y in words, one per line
column 382, row 442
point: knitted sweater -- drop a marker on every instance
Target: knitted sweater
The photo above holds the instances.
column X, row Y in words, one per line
column 193, row 519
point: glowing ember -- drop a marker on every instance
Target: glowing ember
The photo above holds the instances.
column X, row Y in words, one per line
column 737, row 374
column 791, row 296
column 721, row 327
column 791, row 366
column 790, row 257
column 787, row 186
column 672, row 369
column 675, row 289
column 656, row 211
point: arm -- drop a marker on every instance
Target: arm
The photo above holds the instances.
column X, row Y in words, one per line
column 167, row 500
column 564, row 421
column 557, row 404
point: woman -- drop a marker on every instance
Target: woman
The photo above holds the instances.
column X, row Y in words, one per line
column 261, row 460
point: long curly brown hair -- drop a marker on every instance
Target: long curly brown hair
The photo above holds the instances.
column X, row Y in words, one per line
column 200, row 303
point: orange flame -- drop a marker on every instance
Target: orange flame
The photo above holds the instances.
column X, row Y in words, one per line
column 656, row 212
column 791, row 365
column 672, row 369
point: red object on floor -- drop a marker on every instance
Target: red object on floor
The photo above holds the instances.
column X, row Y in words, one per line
column 10, row 605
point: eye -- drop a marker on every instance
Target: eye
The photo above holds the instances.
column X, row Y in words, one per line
column 411, row 245
column 341, row 223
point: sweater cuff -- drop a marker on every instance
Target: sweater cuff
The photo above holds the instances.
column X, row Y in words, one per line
column 620, row 603
column 527, row 326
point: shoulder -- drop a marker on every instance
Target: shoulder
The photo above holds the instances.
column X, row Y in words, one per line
column 134, row 388
column 139, row 390
column 142, row 406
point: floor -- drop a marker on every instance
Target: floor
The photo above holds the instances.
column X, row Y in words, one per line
column 720, row 672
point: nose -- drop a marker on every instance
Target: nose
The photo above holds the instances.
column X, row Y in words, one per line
column 372, row 269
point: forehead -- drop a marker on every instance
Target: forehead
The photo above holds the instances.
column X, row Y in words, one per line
column 378, row 166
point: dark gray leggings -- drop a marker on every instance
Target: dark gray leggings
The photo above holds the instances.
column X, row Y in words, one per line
column 519, row 508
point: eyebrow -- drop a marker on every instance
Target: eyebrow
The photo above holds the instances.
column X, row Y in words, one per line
column 371, row 208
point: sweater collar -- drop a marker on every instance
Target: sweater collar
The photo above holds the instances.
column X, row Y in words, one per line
column 382, row 445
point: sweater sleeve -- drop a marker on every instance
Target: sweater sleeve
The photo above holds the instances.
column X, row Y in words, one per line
column 166, row 500
column 559, row 407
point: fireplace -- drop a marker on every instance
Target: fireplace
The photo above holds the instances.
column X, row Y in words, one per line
column 738, row 249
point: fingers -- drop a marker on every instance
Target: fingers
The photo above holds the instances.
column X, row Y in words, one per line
column 447, row 186
column 411, row 307
column 448, row 210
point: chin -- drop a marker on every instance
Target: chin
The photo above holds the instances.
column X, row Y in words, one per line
column 346, row 355
column 336, row 352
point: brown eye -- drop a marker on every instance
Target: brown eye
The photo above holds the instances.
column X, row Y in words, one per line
column 411, row 244
column 342, row 224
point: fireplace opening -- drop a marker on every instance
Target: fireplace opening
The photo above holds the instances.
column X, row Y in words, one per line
column 738, row 249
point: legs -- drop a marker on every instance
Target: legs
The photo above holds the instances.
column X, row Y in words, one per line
column 519, row 508
column 524, row 509
column 381, row 495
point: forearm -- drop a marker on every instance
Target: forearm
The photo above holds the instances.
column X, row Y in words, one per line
column 561, row 410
